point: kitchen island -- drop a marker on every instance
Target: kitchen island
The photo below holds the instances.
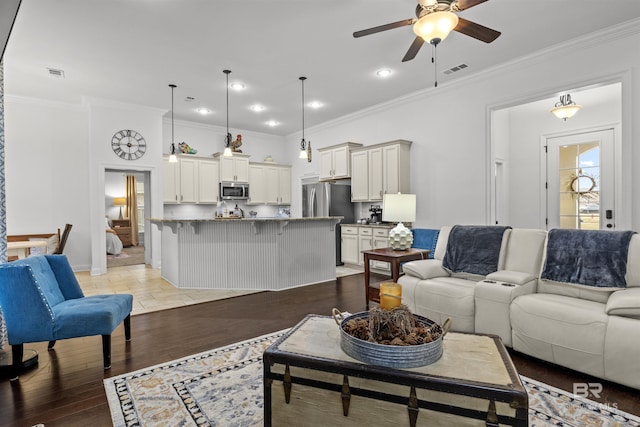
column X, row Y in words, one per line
column 248, row 253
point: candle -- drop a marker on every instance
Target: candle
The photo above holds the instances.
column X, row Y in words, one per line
column 390, row 295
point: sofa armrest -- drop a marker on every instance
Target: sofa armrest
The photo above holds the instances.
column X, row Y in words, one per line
column 425, row 269
column 514, row 277
column 625, row 303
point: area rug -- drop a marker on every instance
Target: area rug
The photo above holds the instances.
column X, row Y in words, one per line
column 223, row 387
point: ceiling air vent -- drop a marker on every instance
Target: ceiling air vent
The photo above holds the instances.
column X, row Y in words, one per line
column 189, row 99
column 56, row 73
column 455, row 69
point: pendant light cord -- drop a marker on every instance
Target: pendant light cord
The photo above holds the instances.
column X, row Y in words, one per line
column 227, row 137
column 302, row 79
column 173, row 146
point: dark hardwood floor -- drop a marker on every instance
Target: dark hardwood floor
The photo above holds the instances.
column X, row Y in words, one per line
column 66, row 389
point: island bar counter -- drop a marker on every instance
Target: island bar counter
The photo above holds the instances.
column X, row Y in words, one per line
column 248, row 253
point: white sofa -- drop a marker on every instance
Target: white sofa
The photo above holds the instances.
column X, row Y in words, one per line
column 591, row 330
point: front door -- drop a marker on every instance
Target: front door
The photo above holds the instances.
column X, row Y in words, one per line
column 580, row 181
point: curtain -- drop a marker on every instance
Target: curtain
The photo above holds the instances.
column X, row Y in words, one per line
column 132, row 208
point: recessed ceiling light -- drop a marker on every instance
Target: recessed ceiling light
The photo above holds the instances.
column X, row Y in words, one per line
column 257, row 108
column 236, row 86
column 272, row 123
column 315, row 104
column 203, row 111
column 384, row 72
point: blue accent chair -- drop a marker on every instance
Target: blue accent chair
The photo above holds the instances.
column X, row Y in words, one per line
column 425, row 238
column 42, row 301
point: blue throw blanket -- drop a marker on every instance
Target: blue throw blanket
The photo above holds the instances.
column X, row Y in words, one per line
column 473, row 249
column 587, row 257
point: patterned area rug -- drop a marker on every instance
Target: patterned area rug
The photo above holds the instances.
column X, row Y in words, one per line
column 223, row 387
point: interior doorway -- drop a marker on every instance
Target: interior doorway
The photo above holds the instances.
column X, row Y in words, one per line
column 126, row 196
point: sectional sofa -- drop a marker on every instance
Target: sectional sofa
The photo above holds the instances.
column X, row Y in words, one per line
column 568, row 297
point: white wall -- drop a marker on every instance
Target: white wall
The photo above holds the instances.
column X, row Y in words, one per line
column 47, row 171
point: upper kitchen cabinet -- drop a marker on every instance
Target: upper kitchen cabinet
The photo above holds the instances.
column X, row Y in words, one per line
column 335, row 161
column 190, row 180
column 269, row 184
column 380, row 169
column 208, row 179
column 234, row 168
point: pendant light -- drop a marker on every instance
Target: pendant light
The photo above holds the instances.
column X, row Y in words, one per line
column 305, row 146
column 566, row 108
column 172, row 156
column 227, row 139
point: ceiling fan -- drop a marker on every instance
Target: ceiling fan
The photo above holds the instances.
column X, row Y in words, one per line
column 435, row 20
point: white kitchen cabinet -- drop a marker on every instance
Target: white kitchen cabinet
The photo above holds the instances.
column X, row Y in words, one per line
column 359, row 173
column 171, row 181
column 335, row 161
column 234, row 168
column 208, row 181
column 365, row 242
column 376, row 186
column 349, row 245
column 269, row 184
column 284, row 184
column 380, row 240
column 188, row 180
column 387, row 171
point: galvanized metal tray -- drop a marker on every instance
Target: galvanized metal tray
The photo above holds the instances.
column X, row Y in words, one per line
column 390, row 356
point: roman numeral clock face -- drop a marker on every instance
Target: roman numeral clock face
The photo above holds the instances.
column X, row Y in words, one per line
column 128, row 144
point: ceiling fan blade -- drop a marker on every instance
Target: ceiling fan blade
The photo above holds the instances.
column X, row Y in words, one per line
column 476, row 31
column 383, row 28
column 413, row 49
column 466, row 4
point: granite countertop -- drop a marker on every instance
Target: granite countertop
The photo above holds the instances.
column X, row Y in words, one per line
column 321, row 218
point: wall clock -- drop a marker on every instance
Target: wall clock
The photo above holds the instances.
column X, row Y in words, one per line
column 128, row 144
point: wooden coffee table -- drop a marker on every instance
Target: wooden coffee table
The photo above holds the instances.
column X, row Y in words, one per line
column 309, row 380
column 393, row 257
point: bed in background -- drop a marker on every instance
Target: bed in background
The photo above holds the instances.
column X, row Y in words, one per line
column 114, row 244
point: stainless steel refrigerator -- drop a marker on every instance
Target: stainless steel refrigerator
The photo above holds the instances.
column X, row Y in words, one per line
column 329, row 199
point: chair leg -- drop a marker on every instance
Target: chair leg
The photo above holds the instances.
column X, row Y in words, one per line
column 51, row 344
column 127, row 328
column 17, row 352
column 106, row 351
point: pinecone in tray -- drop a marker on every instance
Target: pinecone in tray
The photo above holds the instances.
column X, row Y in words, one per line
column 393, row 327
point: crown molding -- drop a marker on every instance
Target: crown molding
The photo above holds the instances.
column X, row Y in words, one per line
column 42, row 102
column 109, row 103
column 222, row 129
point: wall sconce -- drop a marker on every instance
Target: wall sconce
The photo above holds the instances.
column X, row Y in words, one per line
column 566, row 108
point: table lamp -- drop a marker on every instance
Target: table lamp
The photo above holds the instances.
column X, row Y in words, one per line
column 398, row 208
column 120, row 201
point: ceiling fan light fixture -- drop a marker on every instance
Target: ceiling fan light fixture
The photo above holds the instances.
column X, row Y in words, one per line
column 565, row 108
column 435, row 26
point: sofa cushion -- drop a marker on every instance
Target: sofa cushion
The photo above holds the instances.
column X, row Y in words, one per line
column 98, row 314
column 633, row 268
column 512, row 277
column 625, row 302
column 524, row 250
column 441, row 243
column 447, row 297
column 560, row 329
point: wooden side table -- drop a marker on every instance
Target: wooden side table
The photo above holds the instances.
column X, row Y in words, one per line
column 122, row 227
column 394, row 258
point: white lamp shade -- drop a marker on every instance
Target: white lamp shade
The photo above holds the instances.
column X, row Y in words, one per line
column 399, row 207
column 435, row 25
column 566, row 111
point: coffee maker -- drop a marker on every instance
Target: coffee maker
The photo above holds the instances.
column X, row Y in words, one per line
column 376, row 214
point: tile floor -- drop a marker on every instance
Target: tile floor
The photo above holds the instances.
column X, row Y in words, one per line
column 152, row 293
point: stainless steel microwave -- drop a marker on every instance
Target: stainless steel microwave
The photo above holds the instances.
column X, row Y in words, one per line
column 234, row 191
